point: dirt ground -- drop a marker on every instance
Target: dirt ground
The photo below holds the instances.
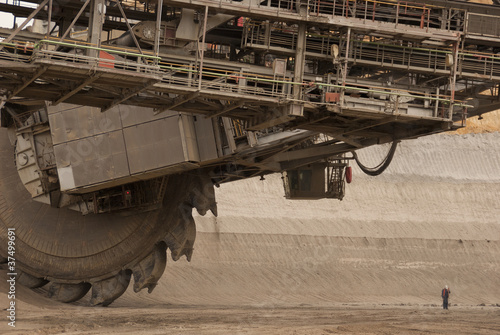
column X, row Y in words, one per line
column 178, row 319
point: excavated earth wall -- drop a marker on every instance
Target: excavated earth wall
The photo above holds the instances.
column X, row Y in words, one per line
column 431, row 219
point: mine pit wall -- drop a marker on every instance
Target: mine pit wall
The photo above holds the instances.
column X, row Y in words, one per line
column 433, row 218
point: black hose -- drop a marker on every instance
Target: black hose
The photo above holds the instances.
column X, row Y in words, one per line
column 375, row 171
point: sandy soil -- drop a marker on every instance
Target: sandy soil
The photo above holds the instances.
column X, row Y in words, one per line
column 187, row 319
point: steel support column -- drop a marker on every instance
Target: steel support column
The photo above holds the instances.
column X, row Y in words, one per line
column 453, row 77
column 202, row 46
column 159, row 10
column 300, row 57
column 49, row 19
column 96, row 21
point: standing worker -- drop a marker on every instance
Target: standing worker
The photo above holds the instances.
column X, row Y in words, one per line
column 445, row 294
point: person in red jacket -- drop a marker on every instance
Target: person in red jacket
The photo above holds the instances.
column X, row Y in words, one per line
column 445, row 294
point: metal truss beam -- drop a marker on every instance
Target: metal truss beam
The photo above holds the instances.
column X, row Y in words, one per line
column 77, row 88
column 28, row 19
column 254, row 9
column 26, row 82
column 178, row 101
column 227, row 109
column 66, row 33
column 127, row 94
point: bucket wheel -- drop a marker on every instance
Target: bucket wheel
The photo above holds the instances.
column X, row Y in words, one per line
column 69, row 253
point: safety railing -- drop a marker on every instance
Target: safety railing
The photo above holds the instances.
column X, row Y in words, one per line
column 394, row 100
column 469, row 64
column 234, row 84
column 19, row 51
column 392, row 13
column 410, row 13
column 482, row 65
column 398, row 12
column 399, row 56
column 430, row 60
column 119, row 58
column 283, row 39
column 179, row 74
column 223, row 80
column 378, row 54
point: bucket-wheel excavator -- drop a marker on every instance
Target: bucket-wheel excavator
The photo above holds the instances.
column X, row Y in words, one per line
column 119, row 117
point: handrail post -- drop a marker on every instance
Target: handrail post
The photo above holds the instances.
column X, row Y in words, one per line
column 436, row 108
column 428, row 18
column 397, row 14
column 366, row 11
column 374, row 10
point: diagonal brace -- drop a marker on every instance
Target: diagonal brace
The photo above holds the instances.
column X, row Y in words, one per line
column 76, row 89
column 226, row 109
column 345, row 139
column 27, row 82
column 28, row 19
column 177, row 102
column 66, row 33
column 128, row 26
column 127, row 94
